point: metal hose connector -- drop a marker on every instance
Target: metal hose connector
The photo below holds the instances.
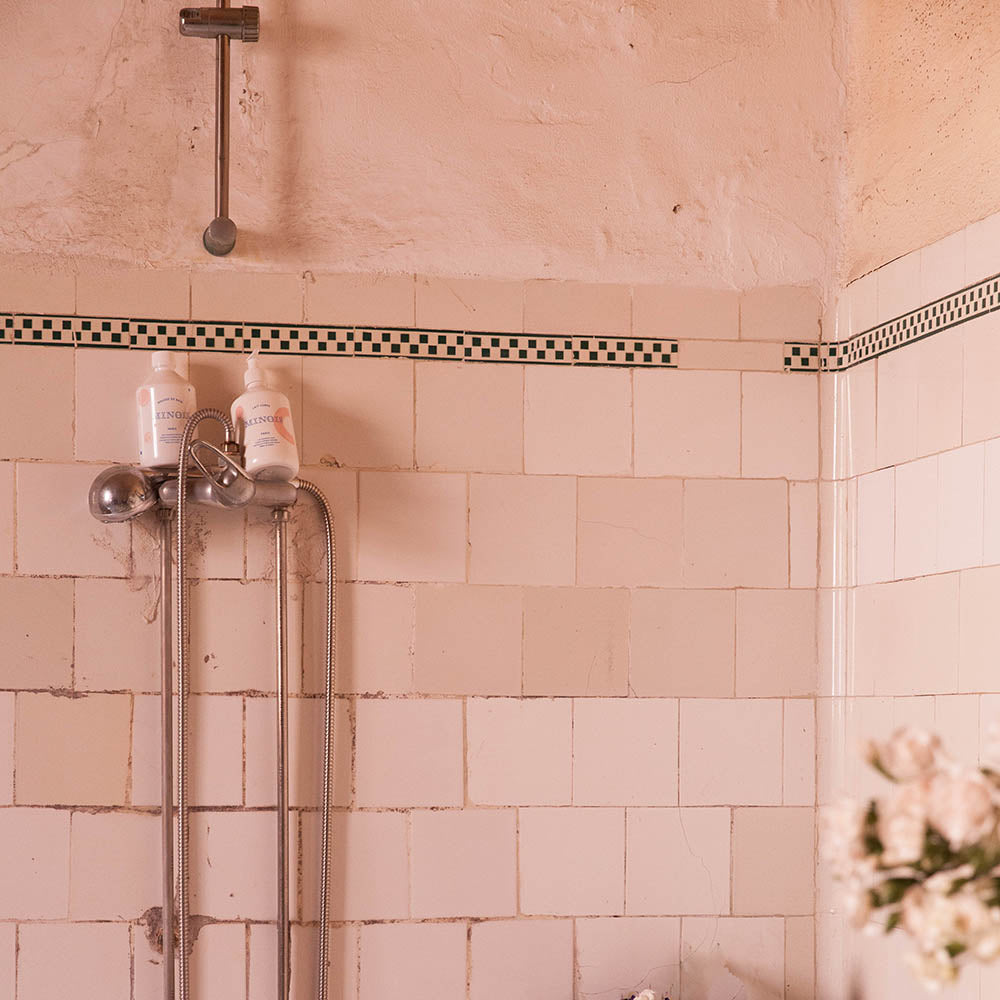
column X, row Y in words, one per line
column 323, row 951
column 183, row 690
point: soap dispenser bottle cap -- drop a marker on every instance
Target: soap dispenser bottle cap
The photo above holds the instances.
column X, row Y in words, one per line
column 254, row 375
column 164, row 359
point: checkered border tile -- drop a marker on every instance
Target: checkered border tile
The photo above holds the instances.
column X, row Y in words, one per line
column 448, row 345
column 942, row 314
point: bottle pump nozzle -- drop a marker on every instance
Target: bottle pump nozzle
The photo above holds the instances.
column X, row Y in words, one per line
column 254, row 375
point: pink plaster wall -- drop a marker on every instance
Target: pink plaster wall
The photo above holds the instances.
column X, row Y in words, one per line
column 922, row 125
column 682, row 142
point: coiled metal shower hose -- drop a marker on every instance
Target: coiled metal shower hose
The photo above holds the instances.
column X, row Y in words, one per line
column 184, row 684
column 323, row 948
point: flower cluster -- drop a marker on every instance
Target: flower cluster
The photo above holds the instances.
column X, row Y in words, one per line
column 926, row 857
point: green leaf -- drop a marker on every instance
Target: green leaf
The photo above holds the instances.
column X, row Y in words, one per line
column 880, row 767
column 954, row 949
column 892, row 891
column 893, row 922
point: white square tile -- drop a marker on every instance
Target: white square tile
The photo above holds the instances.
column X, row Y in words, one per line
column 730, row 752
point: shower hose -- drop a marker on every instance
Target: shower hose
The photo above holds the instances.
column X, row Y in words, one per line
column 183, row 720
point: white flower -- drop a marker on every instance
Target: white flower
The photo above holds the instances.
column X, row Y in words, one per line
column 902, row 824
column 937, row 920
column 908, row 754
column 645, row 995
column 934, row 968
column 961, row 806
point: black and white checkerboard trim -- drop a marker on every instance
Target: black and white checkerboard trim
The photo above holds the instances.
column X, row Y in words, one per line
column 941, row 314
column 449, row 345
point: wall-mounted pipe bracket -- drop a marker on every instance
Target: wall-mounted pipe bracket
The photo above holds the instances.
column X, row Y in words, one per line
column 221, row 23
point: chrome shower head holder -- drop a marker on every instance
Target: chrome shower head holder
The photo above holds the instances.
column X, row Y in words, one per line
column 240, row 23
column 222, row 23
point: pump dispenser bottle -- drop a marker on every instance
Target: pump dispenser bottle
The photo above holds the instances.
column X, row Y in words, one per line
column 164, row 402
column 263, row 421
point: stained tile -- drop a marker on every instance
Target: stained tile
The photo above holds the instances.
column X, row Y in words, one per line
column 57, row 494
column 624, row 751
column 730, row 752
column 682, row 643
column 667, row 873
column 409, row 753
column 522, row 529
column 572, row 861
column 529, row 959
column 420, row 961
column 34, row 864
column 489, row 437
column 575, row 641
column 358, row 412
column 687, row 423
column 685, row 313
column 93, row 961
column 36, row 633
column 72, row 751
column 577, row 421
column 622, row 956
column 251, row 296
column 782, row 312
column 519, row 751
column 719, row 549
column 391, row 504
column 779, row 421
column 470, row 304
column 360, row 299
column 468, row 640
column 773, row 861
column 464, row 863
column 629, row 533
column 577, row 307
column 149, row 293
column 36, row 402
column 775, row 643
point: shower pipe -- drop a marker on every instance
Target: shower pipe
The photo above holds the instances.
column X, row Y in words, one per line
column 280, row 517
column 221, row 23
column 165, row 516
column 124, row 492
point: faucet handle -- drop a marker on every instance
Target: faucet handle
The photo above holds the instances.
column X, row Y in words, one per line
column 231, row 486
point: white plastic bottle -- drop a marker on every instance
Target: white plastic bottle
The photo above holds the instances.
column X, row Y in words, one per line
column 164, row 402
column 263, row 421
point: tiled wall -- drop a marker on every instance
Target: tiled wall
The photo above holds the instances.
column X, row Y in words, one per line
column 577, row 655
column 910, row 557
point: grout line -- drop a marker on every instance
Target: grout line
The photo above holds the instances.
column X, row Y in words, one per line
column 468, row 527
column 129, row 772
column 631, row 410
column 413, row 420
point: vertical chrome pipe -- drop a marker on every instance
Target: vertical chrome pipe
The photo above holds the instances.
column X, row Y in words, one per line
column 221, row 23
column 220, row 235
column 183, row 635
column 222, row 123
column 280, row 516
column 329, row 735
column 166, row 755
